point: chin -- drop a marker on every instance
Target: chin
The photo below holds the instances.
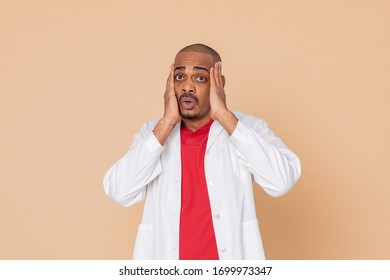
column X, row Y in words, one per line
column 189, row 116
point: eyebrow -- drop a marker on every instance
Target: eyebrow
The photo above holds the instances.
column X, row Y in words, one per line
column 195, row 68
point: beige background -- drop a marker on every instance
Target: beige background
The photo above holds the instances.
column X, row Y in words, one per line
column 78, row 78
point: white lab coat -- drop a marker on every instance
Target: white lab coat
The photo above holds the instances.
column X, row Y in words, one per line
column 153, row 172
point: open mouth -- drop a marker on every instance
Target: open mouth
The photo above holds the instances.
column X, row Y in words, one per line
column 187, row 103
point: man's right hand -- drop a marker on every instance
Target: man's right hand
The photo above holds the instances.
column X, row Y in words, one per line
column 171, row 111
column 171, row 107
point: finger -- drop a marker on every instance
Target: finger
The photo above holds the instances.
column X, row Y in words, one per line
column 217, row 74
column 220, row 73
column 172, row 77
column 170, row 81
column 212, row 78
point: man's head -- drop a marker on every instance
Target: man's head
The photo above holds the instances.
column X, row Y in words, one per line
column 201, row 48
column 192, row 80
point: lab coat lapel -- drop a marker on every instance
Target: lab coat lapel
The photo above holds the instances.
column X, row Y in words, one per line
column 215, row 130
column 175, row 136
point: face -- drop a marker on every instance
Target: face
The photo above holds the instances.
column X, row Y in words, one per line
column 192, row 84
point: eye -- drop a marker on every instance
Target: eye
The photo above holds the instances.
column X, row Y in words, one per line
column 201, row 79
column 179, row 77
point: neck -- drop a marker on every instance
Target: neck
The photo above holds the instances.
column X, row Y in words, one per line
column 196, row 123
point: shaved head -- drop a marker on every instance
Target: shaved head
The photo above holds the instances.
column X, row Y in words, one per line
column 201, row 48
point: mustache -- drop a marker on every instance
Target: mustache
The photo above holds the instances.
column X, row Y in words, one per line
column 188, row 95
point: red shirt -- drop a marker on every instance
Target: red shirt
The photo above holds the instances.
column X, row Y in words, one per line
column 197, row 238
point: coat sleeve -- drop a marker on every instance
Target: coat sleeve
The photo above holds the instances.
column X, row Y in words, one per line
column 126, row 181
column 274, row 167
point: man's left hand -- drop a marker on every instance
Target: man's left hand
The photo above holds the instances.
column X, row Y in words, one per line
column 217, row 92
column 219, row 110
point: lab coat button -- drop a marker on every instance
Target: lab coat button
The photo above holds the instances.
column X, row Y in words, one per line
column 217, row 216
column 212, row 184
column 223, row 250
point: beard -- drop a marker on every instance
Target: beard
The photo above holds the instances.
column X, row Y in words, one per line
column 188, row 115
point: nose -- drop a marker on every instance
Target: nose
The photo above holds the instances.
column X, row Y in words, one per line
column 188, row 86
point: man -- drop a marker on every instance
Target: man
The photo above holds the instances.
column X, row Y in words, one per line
column 195, row 168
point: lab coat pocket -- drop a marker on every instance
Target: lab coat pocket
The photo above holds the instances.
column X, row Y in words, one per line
column 252, row 244
column 144, row 244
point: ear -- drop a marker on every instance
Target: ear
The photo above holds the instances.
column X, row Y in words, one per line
column 223, row 81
